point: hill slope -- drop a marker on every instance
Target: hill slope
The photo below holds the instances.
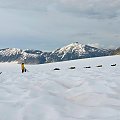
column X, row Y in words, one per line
column 67, row 94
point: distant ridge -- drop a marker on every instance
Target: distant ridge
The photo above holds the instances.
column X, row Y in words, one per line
column 70, row 52
column 116, row 51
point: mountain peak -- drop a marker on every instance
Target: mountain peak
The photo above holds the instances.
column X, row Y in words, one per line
column 10, row 51
column 73, row 47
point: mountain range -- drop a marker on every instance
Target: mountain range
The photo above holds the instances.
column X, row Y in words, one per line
column 70, row 52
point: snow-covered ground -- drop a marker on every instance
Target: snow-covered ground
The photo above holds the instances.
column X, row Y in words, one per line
column 78, row 94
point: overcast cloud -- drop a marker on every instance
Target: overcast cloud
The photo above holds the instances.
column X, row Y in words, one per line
column 49, row 24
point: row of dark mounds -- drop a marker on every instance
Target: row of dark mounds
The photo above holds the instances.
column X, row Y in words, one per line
column 85, row 67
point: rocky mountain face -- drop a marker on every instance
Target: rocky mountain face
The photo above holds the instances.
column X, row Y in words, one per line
column 69, row 52
column 116, row 51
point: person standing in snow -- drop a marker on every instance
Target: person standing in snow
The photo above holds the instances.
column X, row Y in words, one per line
column 23, row 68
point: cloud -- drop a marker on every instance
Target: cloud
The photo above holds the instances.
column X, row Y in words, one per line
column 116, row 36
column 92, row 8
column 58, row 22
column 99, row 9
column 33, row 5
column 83, row 34
column 97, row 45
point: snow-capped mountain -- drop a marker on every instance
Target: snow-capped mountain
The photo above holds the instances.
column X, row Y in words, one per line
column 76, row 51
column 19, row 56
column 69, row 52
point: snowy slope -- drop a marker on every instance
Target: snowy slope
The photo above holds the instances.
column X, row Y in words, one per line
column 45, row 94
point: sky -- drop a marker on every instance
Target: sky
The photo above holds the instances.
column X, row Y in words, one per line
column 50, row 24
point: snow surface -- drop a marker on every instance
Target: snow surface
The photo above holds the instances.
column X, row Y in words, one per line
column 45, row 94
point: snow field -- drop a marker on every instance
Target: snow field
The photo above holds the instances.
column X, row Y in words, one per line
column 45, row 94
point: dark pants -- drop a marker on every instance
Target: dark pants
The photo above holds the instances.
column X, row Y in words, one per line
column 24, row 70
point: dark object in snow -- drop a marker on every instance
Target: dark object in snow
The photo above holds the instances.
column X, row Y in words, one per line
column 87, row 67
column 99, row 66
column 26, row 70
column 113, row 65
column 0, row 72
column 56, row 69
column 72, row 68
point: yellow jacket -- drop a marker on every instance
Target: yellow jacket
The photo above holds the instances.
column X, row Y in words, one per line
column 22, row 66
